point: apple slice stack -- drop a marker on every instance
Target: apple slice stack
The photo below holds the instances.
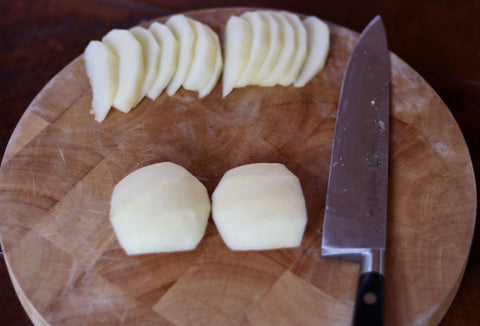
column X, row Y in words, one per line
column 263, row 48
column 127, row 65
column 268, row 48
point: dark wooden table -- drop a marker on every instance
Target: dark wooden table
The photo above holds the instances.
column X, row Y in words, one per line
column 440, row 39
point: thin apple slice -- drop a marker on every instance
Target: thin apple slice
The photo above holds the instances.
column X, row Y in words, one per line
column 276, row 44
column 259, row 48
column 236, row 47
column 217, row 70
column 203, row 64
column 298, row 61
column 287, row 54
column 318, row 36
column 151, row 56
column 185, row 34
column 102, row 70
column 131, row 69
column 168, row 59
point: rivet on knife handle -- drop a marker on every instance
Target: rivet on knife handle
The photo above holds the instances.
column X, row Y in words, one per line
column 369, row 301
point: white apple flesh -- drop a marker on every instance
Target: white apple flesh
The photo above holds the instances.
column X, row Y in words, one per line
column 131, row 69
column 102, row 70
column 159, row 208
column 259, row 47
column 291, row 74
column 259, row 207
column 287, row 54
column 207, row 89
column 276, row 44
column 237, row 45
column 318, row 36
column 205, row 54
column 151, row 56
column 185, row 34
column 168, row 59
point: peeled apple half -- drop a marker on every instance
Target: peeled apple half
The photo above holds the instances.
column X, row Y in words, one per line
column 258, row 207
column 159, row 208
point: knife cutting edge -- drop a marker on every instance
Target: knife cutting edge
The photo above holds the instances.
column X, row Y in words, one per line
column 356, row 203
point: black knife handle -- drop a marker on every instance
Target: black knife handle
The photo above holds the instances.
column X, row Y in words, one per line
column 369, row 302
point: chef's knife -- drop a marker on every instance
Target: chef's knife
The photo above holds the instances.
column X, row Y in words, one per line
column 356, row 205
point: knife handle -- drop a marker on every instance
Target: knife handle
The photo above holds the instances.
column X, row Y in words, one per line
column 369, row 302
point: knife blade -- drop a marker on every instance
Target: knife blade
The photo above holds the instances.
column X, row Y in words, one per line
column 355, row 220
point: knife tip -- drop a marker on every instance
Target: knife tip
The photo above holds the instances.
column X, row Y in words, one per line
column 376, row 20
column 376, row 25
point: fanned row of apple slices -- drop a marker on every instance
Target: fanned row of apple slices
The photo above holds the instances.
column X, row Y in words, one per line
column 127, row 65
column 267, row 48
column 263, row 48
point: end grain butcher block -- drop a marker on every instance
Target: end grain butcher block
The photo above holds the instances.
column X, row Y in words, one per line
column 61, row 166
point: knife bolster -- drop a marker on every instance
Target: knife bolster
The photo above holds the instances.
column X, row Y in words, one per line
column 373, row 261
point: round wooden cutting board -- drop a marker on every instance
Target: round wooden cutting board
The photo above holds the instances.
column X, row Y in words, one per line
column 60, row 168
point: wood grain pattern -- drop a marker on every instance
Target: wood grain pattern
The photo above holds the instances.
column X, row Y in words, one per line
column 60, row 167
